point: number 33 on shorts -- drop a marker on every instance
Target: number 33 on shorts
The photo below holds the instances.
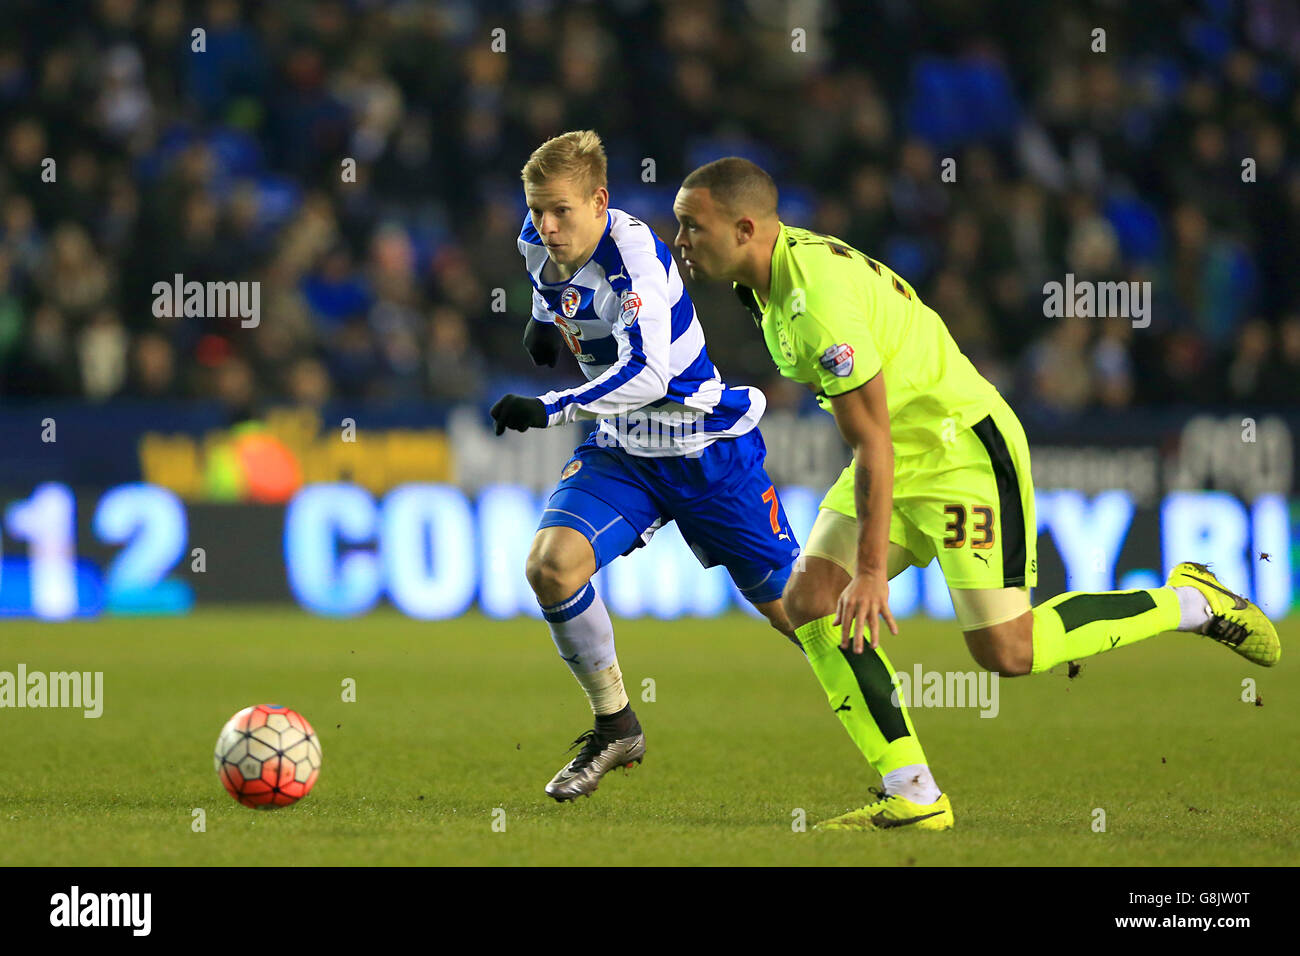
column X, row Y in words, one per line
column 982, row 533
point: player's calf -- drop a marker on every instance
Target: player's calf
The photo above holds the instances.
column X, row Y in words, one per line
column 774, row 611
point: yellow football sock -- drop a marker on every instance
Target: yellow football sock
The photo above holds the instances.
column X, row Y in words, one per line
column 861, row 690
column 1076, row 625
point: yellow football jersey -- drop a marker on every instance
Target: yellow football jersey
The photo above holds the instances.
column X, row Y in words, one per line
column 836, row 317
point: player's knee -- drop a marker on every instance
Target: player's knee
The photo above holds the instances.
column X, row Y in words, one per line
column 553, row 573
column 813, row 590
column 797, row 607
column 805, row 600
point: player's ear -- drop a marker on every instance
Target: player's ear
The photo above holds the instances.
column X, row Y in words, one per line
column 601, row 200
column 744, row 230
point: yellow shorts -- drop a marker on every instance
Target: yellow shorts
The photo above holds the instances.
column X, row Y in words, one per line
column 970, row 503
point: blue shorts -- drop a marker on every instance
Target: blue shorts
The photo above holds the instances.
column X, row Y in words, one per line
column 725, row 505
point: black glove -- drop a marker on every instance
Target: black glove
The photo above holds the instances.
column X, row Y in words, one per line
column 519, row 413
column 542, row 342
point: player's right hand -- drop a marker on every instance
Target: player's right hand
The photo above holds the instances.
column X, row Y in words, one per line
column 866, row 597
column 542, row 342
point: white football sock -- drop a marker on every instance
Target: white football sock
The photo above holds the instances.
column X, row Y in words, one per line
column 584, row 636
column 1193, row 611
column 913, row 783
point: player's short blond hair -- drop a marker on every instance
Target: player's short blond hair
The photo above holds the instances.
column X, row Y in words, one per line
column 578, row 153
column 738, row 185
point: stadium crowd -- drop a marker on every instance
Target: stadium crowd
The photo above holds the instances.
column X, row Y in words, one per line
column 1166, row 158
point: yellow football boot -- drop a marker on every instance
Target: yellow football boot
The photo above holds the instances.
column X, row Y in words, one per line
column 1234, row 621
column 891, row 812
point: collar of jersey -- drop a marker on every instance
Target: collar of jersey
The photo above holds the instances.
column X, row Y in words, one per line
column 778, row 249
column 609, row 223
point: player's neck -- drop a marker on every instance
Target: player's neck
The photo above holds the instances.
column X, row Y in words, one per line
column 759, row 268
column 553, row 271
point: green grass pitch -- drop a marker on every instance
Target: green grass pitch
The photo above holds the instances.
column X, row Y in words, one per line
column 457, row 720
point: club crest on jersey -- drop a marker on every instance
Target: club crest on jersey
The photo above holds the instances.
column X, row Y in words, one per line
column 838, row 359
column 570, row 299
column 570, row 470
column 630, row 307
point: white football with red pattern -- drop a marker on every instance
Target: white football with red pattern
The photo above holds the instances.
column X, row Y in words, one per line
column 267, row 756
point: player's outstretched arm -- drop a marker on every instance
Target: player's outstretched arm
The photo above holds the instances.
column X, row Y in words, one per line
column 863, row 420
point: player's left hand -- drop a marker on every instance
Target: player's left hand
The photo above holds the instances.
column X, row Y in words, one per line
column 519, row 413
column 866, row 596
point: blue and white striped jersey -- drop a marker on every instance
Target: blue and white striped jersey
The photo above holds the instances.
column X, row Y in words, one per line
column 631, row 325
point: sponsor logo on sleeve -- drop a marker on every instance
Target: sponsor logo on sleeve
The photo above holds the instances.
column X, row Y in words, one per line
column 630, row 307
column 570, row 299
column 838, row 359
column 570, row 469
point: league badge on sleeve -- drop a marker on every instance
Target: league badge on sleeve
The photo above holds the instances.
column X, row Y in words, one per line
column 630, row 307
column 838, row 359
column 570, row 299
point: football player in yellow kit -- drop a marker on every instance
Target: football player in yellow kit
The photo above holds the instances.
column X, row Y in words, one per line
column 940, row 469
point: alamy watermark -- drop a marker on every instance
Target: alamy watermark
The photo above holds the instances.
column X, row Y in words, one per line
column 75, row 689
column 130, row 910
column 1108, row 300
column 208, row 300
column 924, row 688
column 642, row 428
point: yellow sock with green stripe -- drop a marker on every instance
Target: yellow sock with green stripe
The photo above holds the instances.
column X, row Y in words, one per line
column 860, row 688
column 1076, row 625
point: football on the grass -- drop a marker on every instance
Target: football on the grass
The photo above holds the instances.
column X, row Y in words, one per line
column 267, row 756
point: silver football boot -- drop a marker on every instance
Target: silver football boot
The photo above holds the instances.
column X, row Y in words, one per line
column 598, row 756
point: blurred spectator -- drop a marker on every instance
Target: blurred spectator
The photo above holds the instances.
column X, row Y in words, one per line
column 1207, row 276
column 455, row 371
column 235, row 387
column 335, row 291
column 153, row 369
column 74, row 278
column 308, row 383
column 353, row 360
column 1112, row 363
column 1092, row 249
column 1060, row 377
column 11, row 310
column 1254, row 351
column 125, row 109
column 101, row 352
column 1183, row 371
column 1282, row 376
column 45, row 366
column 21, row 236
